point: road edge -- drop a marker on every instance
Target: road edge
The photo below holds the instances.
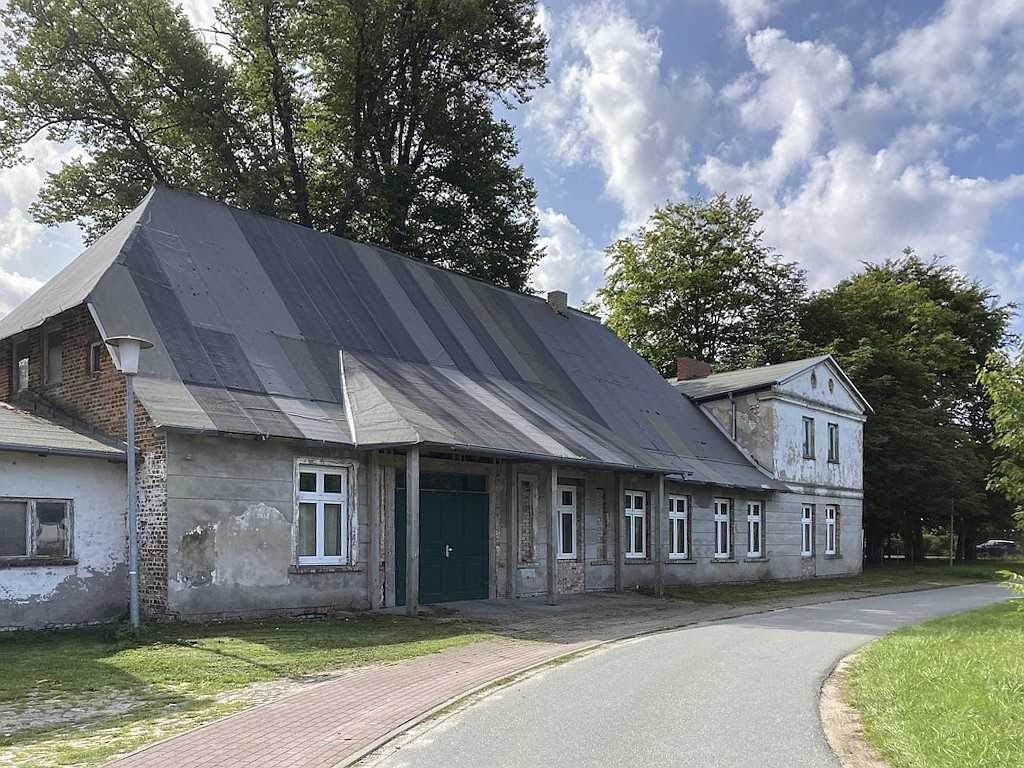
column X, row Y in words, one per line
column 842, row 723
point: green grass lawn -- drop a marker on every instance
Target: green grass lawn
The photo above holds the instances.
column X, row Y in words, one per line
column 892, row 576
column 178, row 676
column 948, row 693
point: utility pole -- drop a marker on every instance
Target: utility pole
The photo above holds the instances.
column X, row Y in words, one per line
column 952, row 550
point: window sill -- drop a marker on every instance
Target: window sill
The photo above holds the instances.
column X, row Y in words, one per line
column 836, row 556
column 755, row 560
column 807, row 556
column 680, row 561
column 724, row 560
column 36, row 562
column 636, row 560
column 602, row 562
column 306, row 570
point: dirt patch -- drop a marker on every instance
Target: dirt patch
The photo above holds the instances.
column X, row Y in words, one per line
column 39, row 710
column 842, row 724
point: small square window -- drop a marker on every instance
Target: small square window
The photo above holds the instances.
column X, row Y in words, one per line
column 566, row 498
column 307, row 482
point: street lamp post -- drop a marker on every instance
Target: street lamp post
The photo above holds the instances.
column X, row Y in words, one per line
column 127, row 359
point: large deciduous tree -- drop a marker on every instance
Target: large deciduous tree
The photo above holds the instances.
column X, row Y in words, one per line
column 1003, row 380
column 698, row 280
column 372, row 119
column 912, row 335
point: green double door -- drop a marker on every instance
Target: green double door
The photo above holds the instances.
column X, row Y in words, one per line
column 453, row 538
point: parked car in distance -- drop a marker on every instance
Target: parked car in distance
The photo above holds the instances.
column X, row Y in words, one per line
column 998, row 548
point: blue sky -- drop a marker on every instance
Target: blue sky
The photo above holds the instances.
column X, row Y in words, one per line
column 858, row 127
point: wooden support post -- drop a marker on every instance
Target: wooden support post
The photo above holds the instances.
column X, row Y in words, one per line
column 658, row 517
column 620, row 547
column 375, row 478
column 412, row 530
column 512, row 529
column 552, row 569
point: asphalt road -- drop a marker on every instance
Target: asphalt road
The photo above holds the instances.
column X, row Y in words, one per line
column 742, row 692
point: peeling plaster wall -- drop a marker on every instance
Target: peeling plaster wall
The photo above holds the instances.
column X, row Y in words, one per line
column 230, row 509
column 93, row 589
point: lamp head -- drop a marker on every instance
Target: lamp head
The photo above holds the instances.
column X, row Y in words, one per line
column 127, row 350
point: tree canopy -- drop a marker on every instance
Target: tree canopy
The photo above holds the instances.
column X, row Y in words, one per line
column 371, row 119
column 698, row 280
column 912, row 335
column 1003, row 380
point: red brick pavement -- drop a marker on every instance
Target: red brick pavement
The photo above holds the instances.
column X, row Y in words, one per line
column 332, row 722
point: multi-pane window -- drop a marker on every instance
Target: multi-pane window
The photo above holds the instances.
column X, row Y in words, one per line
column 322, row 515
column 21, row 356
column 723, row 526
column 53, row 355
column 833, row 443
column 831, row 529
column 636, row 524
column 35, row 528
column 808, row 437
column 755, row 529
column 807, row 530
column 678, row 527
column 566, row 522
column 95, row 357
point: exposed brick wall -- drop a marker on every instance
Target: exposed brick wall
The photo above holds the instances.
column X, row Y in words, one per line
column 98, row 400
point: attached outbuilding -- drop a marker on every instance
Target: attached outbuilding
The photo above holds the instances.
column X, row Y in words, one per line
column 62, row 523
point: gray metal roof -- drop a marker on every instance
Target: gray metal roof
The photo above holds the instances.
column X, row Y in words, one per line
column 750, row 379
column 265, row 327
column 30, row 433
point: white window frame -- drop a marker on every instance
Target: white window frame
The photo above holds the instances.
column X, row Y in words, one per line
column 807, row 530
column 31, row 524
column 678, row 522
column 631, row 512
column 567, row 509
column 755, row 518
column 833, row 442
column 320, row 498
column 831, row 529
column 17, row 383
column 49, row 376
column 723, row 514
column 808, row 438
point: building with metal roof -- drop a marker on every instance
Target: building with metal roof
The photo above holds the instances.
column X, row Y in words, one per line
column 301, row 386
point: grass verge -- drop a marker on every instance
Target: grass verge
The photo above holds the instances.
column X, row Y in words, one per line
column 887, row 578
column 78, row 697
column 947, row 693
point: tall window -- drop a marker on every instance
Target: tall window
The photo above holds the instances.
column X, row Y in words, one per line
column 53, row 355
column 755, row 529
column 636, row 524
column 566, row 522
column 723, row 520
column 95, row 357
column 831, row 530
column 526, row 501
column 21, row 356
column 833, row 443
column 678, row 527
column 807, row 530
column 808, row 437
column 322, row 515
column 35, row 528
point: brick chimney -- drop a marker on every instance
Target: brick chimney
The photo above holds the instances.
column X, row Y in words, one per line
column 559, row 301
column 687, row 368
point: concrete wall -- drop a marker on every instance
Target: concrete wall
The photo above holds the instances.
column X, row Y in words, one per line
column 230, row 513
column 93, row 586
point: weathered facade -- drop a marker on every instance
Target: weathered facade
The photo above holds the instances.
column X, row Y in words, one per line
column 301, row 387
column 62, row 524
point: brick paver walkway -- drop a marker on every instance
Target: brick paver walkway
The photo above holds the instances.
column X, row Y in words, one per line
column 330, row 722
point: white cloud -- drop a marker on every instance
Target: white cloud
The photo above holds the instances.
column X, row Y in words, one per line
column 610, row 103
column 748, row 15
column 800, row 83
column 571, row 263
column 968, row 56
